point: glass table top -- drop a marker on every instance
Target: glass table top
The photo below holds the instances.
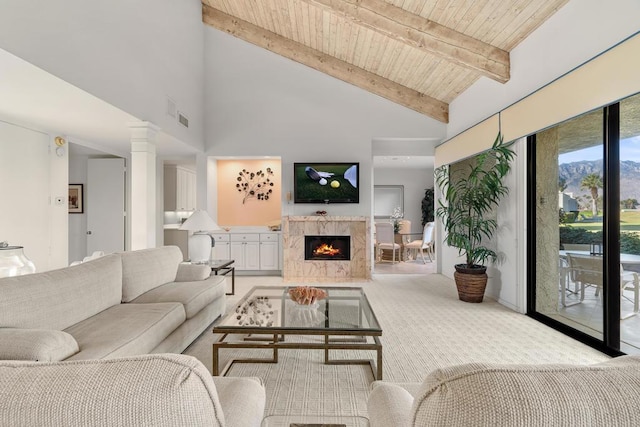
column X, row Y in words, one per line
column 269, row 307
column 314, row 421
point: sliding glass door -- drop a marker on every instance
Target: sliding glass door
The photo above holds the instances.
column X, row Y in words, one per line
column 584, row 193
column 629, row 135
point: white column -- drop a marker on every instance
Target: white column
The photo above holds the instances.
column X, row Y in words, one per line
column 202, row 178
column 142, row 212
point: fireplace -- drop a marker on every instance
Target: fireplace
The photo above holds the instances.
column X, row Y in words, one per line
column 332, row 248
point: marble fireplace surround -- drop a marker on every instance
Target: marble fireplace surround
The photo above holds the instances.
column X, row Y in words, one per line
column 296, row 269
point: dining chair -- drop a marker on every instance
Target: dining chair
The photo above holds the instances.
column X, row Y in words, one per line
column 565, row 278
column 404, row 226
column 404, row 230
column 385, row 239
column 426, row 243
column 587, row 271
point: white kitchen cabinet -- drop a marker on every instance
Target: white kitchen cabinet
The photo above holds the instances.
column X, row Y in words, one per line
column 253, row 251
column 222, row 249
column 245, row 250
column 269, row 253
column 179, row 189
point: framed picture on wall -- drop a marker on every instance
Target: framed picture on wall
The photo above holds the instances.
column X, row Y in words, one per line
column 76, row 199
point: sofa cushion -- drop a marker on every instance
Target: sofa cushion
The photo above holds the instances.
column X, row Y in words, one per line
column 146, row 269
column 193, row 295
column 149, row 390
column 36, row 344
column 533, row 395
column 192, row 272
column 126, row 329
column 57, row 299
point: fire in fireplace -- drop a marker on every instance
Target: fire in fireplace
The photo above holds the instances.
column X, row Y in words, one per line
column 334, row 248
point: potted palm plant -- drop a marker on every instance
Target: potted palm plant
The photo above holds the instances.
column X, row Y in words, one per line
column 470, row 195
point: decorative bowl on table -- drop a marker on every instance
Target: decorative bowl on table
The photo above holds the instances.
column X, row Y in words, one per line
column 306, row 295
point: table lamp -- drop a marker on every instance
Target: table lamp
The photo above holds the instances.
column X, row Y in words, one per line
column 200, row 242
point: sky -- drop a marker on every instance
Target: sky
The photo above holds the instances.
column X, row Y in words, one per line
column 629, row 150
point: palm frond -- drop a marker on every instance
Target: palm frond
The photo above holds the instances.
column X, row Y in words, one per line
column 470, row 195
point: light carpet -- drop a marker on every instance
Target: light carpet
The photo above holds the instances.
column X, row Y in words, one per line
column 424, row 327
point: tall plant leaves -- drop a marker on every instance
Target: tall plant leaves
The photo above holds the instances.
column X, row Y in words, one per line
column 469, row 197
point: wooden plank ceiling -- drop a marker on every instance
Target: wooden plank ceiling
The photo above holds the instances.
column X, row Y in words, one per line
column 418, row 53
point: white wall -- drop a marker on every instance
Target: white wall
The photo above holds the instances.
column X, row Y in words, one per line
column 579, row 31
column 415, row 182
column 261, row 104
column 31, row 177
column 131, row 54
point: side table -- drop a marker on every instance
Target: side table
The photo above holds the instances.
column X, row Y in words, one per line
column 224, row 267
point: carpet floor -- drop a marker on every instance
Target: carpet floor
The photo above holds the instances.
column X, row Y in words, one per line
column 424, row 327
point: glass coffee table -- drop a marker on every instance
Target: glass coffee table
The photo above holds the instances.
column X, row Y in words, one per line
column 266, row 316
column 314, row 421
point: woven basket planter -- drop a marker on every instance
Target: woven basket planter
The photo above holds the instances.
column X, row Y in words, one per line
column 471, row 283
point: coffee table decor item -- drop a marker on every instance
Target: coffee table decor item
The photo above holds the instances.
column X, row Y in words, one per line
column 256, row 311
column 307, row 295
column 307, row 316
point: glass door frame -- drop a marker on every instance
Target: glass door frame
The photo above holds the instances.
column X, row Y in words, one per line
column 611, row 239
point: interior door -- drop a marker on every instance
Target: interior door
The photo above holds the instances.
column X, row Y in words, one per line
column 105, row 197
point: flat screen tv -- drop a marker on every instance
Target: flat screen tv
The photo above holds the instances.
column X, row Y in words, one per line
column 325, row 182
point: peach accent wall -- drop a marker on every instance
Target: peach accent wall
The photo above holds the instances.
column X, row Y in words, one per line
column 231, row 210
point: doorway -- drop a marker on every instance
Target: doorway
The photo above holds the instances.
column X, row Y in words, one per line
column 103, row 213
column 399, row 189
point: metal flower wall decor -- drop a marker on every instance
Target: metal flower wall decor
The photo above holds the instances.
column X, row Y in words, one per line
column 255, row 184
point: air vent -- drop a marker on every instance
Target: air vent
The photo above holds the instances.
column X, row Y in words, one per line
column 183, row 120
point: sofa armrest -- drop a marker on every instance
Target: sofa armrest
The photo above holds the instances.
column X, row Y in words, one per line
column 145, row 390
column 242, row 400
column 192, row 272
column 389, row 405
column 44, row 345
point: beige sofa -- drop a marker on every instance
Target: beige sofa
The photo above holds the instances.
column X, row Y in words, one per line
column 122, row 304
column 605, row 394
column 149, row 390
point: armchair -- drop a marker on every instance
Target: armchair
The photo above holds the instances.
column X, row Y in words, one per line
column 491, row 394
column 151, row 390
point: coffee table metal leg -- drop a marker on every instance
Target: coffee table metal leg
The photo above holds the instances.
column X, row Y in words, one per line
column 241, row 344
column 216, row 357
column 231, row 270
column 326, row 349
column 375, row 365
column 379, row 362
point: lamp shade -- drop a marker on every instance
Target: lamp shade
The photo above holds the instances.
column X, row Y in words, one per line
column 200, row 221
